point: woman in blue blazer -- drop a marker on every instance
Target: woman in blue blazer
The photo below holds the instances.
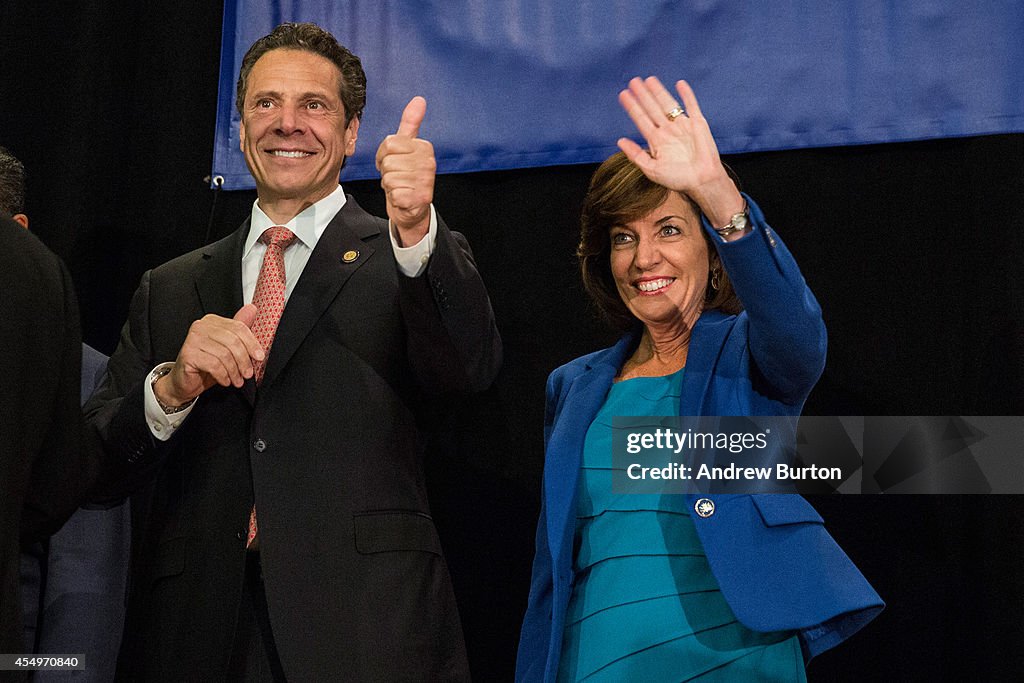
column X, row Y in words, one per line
column 720, row 322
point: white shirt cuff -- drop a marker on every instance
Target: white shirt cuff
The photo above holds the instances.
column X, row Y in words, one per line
column 161, row 425
column 412, row 261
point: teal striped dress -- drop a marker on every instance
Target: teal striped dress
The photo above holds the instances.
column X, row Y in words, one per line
column 645, row 605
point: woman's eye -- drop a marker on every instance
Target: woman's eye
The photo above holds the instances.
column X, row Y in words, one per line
column 670, row 230
column 621, row 238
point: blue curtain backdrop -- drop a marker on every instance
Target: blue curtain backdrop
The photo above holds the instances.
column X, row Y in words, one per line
column 526, row 83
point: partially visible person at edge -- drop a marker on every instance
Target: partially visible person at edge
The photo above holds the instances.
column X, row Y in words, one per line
column 72, row 583
column 46, row 462
column 718, row 321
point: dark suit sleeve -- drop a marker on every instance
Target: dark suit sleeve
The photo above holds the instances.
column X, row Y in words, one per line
column 115, row 413
column 62, row 469
column 453, row 342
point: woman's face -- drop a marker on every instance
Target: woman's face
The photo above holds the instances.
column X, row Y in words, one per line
column 660, row 263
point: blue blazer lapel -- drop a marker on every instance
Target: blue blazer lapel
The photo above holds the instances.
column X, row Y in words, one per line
column 706, row 343
column 583, row 399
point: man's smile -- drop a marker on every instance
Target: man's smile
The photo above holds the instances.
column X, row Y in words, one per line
column 289, row 153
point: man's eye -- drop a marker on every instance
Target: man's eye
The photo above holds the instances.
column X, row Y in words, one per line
column 264, row 104
column 314, row 105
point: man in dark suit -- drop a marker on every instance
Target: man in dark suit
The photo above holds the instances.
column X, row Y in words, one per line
column 43, row 469
column 286, row 530
column 73, row 583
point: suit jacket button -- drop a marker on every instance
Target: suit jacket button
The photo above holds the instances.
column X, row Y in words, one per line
column 260, row 445
column 704, row 507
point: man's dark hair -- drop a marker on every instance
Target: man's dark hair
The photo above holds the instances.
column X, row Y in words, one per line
column 310, row 38
column 12, row 184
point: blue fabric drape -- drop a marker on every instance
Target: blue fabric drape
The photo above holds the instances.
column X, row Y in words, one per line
column 524, row 83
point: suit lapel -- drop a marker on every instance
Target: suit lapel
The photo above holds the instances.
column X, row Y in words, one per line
column 219, row 281
column 323, row 277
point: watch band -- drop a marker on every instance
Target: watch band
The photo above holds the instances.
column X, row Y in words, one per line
column 168, row 410
column 738, row 222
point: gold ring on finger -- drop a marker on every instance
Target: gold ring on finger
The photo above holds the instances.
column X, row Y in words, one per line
column 675, row 114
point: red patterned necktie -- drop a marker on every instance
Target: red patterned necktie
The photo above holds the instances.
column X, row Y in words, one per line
column 269, row 300
column 269, row 295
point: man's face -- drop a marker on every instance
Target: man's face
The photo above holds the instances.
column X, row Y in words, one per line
column 293, row 131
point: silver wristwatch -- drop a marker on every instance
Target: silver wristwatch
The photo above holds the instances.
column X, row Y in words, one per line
column 168, row 410
column 738, row 222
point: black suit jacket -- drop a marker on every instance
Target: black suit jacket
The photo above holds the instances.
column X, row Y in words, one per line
column 43, row 469
column 328, row 448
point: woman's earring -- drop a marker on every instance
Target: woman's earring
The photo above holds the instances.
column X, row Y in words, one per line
column 714, row 278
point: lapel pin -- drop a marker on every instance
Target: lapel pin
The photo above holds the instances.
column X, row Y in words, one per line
column 350, row 256
column 704, row 507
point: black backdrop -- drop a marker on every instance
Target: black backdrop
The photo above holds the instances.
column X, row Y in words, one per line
column 914, row 251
